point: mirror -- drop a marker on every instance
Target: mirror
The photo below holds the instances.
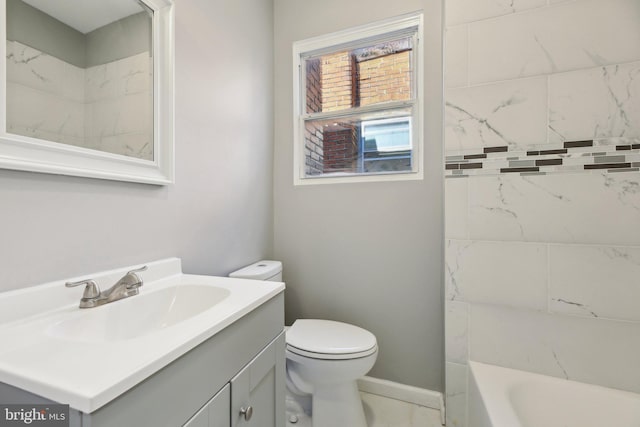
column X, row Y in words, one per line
column 88, row 88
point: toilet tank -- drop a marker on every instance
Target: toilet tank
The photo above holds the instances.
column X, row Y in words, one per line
column 261, row 270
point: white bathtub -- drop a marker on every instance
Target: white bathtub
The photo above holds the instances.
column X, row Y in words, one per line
column 501, row 397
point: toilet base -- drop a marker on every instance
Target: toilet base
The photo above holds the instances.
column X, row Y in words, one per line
column 337, row 406
column 295, row 413
column 330, row 407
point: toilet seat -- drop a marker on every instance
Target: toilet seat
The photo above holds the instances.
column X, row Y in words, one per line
column 329, row 356
column 329, row 340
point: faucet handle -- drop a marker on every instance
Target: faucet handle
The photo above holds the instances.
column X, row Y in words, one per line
column 137, row 270
column 131, row 280
column 90, row 291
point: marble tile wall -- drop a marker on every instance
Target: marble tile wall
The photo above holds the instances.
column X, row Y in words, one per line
column 45, row 96
column 106, row 107
column 119, row 107
column 542, row 192
column 547, row 284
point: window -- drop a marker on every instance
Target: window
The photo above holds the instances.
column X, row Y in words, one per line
column 386, row 145
column 357, row 104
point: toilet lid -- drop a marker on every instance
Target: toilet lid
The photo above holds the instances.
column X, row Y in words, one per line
column 329, row 339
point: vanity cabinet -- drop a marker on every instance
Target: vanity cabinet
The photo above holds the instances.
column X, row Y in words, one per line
column 241, row 366
column 215, row 413
column 258, row 391
column 254, row 397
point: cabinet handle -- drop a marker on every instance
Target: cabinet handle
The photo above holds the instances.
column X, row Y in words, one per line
column 247, row 412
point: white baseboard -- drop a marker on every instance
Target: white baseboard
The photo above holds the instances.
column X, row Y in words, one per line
column 406, row 393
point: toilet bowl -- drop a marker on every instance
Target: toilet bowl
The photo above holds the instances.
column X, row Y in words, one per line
column 324, row 360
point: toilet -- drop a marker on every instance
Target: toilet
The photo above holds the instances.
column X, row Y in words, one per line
column 324, row 360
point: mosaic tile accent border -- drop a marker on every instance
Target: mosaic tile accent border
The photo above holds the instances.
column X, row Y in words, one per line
column 611, row 155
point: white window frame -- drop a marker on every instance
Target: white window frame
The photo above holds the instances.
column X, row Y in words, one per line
column 351, row 38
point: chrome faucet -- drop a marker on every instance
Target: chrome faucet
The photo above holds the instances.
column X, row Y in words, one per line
column 127, row 286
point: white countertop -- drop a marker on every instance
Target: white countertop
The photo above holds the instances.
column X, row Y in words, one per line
column 88, row 375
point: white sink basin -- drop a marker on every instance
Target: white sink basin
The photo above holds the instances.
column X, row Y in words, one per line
column 138, row 315
column 87, row 357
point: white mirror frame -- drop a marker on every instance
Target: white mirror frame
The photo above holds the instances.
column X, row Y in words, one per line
column 36, row 155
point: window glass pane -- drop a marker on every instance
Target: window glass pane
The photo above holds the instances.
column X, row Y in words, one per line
column 360, row 144
column 387, row 135
column 374, row 74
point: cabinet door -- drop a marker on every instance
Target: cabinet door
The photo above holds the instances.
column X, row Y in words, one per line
column 215, row 413
column 258, row 391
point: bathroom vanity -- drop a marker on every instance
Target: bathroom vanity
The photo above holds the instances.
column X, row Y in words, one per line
column 207, row 351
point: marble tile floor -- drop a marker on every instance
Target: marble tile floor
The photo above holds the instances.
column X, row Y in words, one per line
column 384, row 412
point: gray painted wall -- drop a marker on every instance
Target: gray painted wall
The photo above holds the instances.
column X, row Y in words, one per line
column 35, row 28
column 218, row 215
column 369, row 253
column 121, row 39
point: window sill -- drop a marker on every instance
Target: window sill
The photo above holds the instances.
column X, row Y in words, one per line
column 347, row 178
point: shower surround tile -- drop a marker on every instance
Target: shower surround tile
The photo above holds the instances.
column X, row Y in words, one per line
column 102, row 82
column 456, row 207
column 512, row 114
column 456, row 394
column 563, row 208
column 595, row 103
column 569, row 36
column 119, row 78
column 136, row 73
column 512, row 274
column 36, row 113
column 96, row 108
column 118, row 95
column 456, row 72
column 595, row 281
column 551, row 88
column 460, row 11
column 612, row 154
column 127, row 114
column 45, row 96
column 131, row 144
column 29, row 67
column 576, row 348
column 457, row 332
